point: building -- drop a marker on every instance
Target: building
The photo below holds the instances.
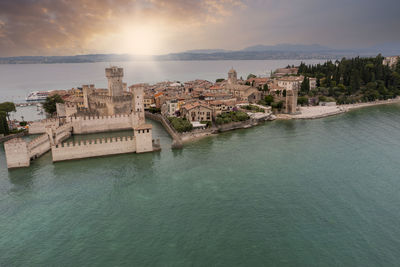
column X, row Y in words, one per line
column 391, row 61
column 241, row 92
column 148, row 101
column 313, row 83
column 285, row 71
column 291, row 101
column 117, row 100
column 232, row 76
column 170, row 108
column 221, row 106
column 290, row 82
column 197, row 111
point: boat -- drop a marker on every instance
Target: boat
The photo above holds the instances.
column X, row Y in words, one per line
column 37, row 96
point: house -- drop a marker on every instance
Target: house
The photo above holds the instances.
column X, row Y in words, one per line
column 148, row 101
column 197, row 111
column 221, row 106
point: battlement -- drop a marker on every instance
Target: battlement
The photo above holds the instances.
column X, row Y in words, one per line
column 38, row 127
column 38, row 140
column 15, row 142
column 70, row 105
column 63, row 128
column 97, row 141
column 89, row 118
column 94, row 148
column 114, row 72
column 96, row 98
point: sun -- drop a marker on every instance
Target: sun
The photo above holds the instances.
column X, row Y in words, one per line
column 140, row 40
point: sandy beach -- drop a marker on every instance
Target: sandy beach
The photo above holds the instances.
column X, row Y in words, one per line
column 315, row 112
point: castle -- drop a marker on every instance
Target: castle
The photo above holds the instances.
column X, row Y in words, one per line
column 116, row 110
column 100, row 102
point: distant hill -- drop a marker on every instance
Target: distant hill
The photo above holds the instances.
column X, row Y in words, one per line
column 257, row 52
column 288, row 48
column 206, row 51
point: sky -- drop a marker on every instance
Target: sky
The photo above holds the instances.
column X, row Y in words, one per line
column 149, row 27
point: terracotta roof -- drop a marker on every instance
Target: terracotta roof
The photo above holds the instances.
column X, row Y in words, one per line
column 190, row 106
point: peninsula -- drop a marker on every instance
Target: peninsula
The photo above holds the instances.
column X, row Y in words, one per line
column 199, row 108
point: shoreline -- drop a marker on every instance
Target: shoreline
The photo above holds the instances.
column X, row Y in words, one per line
column 310, row 113
column 317, row 112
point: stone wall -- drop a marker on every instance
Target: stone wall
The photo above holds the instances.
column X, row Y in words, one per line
column 177, row 141
column 38, row 146
column 11, row 136
column 39, row 127
column 237, row 125
column 17, row 154
column 144, row 139
column 93, row 148
column 62, row 133
column 85, row 125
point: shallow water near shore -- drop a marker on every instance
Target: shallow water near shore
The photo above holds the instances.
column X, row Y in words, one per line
column 311, row 193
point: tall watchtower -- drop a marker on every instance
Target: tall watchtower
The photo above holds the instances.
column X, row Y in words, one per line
column 291, row 101
column 115, row 84
column 137, row 104
column 232, row 76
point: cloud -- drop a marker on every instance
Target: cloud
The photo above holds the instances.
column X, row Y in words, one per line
column 62, row 27
column 34, row 27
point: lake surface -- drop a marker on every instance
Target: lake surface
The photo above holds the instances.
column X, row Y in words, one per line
column 288, row 193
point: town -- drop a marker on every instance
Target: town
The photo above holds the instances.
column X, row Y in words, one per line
column 188, row 111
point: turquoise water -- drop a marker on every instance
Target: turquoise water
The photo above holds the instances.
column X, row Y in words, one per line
column 288, row 193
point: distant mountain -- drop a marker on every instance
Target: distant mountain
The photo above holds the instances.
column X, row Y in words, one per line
column 288, row 48
column 388, row 49
column 258, row 52
column 206, row 51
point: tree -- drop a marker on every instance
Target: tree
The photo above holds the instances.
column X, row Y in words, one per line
column 305, row 86
column 3, row 123
column 265, row 88
column 7, row 107
column 219, row 80
column 268, row 100
column 302, row 101
column 50, row 104
column 251, row 76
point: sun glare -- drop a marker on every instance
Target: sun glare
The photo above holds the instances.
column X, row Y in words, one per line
column 140, row 40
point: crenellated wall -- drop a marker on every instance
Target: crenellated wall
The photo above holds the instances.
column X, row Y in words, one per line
column 62, row 133
column 93, row 148
column 85, row 125
column 19, row 152
column 39, row 127
column 38, row 146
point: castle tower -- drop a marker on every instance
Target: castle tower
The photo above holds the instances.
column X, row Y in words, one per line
column 86, row 92
column 291, row 101
column 115, row 85
column 138, row 105
column 232, row 76
column 17, row 153
column 143, row 138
